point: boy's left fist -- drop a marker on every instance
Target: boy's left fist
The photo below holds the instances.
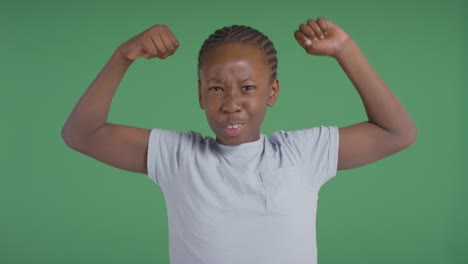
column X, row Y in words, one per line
column 321, row 37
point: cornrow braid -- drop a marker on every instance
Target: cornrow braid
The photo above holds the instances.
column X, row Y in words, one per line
column 241, row 34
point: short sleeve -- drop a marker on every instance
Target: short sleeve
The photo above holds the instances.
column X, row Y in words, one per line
column 315, row 148
column 163, row 159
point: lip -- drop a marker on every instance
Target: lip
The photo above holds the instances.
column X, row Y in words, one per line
column 231, row 123
column 232, row 132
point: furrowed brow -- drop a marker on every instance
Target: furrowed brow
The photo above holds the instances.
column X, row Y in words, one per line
column 214, row 79
column 248, row 79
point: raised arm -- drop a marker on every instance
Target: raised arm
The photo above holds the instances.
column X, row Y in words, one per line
column 87, row 130
column 389, row 128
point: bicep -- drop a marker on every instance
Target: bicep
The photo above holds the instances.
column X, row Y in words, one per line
column 123, row 147
column 364, row 143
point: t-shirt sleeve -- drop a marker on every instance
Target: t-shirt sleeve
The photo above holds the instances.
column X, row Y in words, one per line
column 315, row 148
column 164, row 154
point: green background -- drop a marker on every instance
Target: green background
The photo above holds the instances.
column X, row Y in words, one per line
column 59, row 206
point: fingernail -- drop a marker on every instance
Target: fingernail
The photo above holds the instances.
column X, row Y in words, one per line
column 308, row 42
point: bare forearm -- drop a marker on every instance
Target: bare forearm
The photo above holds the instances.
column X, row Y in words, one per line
column 92, row 109
column 382, row 106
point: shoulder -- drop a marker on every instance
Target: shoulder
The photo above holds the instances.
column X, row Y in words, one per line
column 303, row 136
column 176, row 139
column 315, row 148
column 174, row 134
column 306, row 145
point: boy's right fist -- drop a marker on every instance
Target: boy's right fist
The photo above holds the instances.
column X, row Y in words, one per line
column 157, row 41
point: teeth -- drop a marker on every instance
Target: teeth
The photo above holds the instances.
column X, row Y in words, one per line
column 234, row 126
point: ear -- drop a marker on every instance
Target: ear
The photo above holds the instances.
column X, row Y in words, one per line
column 200, row 101
column 274, row 92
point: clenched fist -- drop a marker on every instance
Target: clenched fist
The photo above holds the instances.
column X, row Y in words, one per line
column 321, row 37
column 157, row 41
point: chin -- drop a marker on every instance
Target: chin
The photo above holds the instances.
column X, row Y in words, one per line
column 229, row 142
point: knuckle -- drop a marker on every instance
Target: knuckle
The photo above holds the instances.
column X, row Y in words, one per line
column 321, row 21
column 153, row 29
column 156, row 28
column 310, row 21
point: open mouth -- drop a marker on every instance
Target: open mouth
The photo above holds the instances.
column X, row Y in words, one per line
column 233, row 130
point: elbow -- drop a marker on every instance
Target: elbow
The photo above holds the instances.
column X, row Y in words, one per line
column 408, row 137
column 68, row 138
column 414, row 135
column 74, row 138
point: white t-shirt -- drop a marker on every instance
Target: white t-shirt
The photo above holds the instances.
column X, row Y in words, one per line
column 254, row 203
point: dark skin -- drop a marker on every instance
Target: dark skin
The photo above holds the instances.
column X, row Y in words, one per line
column 389, row 128
column 235, row 88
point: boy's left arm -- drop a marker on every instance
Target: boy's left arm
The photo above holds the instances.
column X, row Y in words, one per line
column 389, row 128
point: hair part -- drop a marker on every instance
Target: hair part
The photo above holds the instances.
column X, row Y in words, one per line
column 241, row 34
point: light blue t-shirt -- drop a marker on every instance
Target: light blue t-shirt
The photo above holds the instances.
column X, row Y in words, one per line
column 254, row 203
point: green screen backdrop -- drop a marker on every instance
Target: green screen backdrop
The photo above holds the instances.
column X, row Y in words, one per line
column 59, row 206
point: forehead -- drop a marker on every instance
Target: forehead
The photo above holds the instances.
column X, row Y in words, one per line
column 234, row 60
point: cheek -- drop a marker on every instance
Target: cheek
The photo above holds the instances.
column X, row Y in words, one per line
column 256, row 105
column 211, row 102
column 211, row 105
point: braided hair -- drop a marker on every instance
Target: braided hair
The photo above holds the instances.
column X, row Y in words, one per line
column 241, row 34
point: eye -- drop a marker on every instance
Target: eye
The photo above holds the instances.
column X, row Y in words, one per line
column 248, row 87
column 215, row 89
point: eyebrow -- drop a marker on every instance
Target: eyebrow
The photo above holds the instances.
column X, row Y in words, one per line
column 214, row 79
column 221, row 81
column 248, row 79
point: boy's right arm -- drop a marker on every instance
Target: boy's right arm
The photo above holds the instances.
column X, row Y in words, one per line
column 87, row 130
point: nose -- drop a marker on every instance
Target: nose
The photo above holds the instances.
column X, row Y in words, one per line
column 231, row 104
